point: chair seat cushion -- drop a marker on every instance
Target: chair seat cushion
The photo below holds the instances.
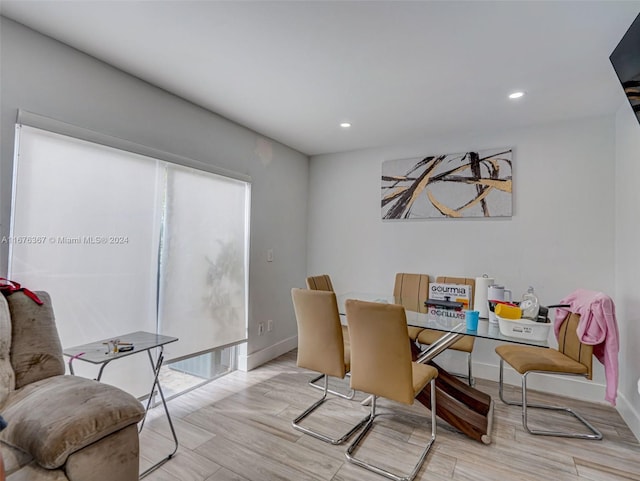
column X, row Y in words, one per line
column 530, row 358
column 429, row 336
column 55, row 417
column 414, row 332
column 422, row 375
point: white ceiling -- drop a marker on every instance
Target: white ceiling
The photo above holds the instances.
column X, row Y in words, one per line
column 397, row 70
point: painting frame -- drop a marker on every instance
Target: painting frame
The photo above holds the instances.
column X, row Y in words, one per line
column 472, row 184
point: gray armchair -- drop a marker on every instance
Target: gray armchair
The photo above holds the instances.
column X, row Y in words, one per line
column 60, row 427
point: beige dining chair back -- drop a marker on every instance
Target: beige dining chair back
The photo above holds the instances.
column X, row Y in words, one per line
column 320, row 348
column 320, row 283
column 411, row 291
column 323, row 283
column 572, row 358
column 466, row 343
column 381, row 366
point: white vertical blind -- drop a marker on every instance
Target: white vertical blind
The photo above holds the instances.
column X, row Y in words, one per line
column 87, row 226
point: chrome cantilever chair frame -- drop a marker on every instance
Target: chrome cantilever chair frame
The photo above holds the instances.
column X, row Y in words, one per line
column 350, row 395
column 596, row 435
column 572, row 358
column 377, row 469
column 321, row 348
column 316, row 434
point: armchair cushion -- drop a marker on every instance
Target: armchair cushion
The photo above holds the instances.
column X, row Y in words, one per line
column 55, row 417
column 36, row 352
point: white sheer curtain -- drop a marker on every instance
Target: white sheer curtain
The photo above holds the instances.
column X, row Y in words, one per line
column 124, row 242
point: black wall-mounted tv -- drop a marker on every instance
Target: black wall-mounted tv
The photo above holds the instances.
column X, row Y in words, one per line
column 626, row 62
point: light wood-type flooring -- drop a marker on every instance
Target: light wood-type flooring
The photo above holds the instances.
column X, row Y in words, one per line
column 238, row 428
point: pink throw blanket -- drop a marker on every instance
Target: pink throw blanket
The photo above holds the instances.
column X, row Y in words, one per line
column 597, row 327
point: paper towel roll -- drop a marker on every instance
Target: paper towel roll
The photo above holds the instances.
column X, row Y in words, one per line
column 480, row 297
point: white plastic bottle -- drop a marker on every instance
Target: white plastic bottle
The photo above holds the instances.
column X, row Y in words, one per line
column 530, row 305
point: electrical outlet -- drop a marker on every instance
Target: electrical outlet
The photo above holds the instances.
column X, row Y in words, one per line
column 270, row 325
column 260, row 328
column 269, row 255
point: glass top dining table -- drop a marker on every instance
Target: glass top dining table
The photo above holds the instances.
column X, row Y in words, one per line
column 464, row 407
column 439, row 319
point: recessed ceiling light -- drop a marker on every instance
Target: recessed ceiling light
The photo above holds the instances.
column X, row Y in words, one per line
column 516, row 95
column 345, row 125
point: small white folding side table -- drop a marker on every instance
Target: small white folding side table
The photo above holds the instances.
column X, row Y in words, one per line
column 101, row 353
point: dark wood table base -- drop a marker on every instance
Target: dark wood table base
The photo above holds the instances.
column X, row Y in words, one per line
column 462, row 406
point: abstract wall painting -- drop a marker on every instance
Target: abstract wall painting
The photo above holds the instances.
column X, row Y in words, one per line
column 470, row 184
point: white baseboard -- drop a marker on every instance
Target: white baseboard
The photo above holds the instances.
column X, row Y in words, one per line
column 630, row 415
column 255, row 359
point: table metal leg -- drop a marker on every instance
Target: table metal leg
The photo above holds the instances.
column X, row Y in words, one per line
column 156, row 383
column 440, row 345
column 101, row 370
column 102, row 366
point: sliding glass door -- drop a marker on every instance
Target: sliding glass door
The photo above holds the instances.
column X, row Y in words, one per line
column 125, row 242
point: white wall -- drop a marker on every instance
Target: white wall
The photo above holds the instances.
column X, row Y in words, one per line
column 627, row 272
column 561, row 235
column 43, row 76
